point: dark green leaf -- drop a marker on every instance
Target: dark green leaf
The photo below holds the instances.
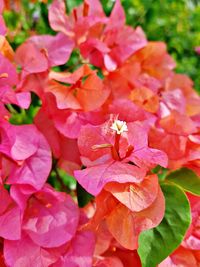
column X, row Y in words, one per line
column 186, row 179
column 161, row 172
column 67, row 179
column 83, row 196
column 156, row 244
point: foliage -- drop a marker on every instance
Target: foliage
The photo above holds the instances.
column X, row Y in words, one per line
column 174, row 22
column 162, row 240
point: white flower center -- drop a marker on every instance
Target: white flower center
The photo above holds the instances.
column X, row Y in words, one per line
column 119, row 126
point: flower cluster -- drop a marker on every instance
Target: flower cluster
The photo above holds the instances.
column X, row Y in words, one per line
column 121, row 122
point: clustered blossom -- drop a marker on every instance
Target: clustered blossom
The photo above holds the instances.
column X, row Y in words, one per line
column 109, row 131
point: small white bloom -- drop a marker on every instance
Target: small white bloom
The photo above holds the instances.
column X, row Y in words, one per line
column 119, row 126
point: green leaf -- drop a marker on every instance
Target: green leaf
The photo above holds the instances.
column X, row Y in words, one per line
column 161, row 172
column 83, row 196
column 67, row 179
column 157, row 243
column 186, row 179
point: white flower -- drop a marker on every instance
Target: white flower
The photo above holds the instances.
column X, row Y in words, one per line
column 119, row 126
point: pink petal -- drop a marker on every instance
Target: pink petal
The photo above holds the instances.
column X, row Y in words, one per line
column 175, row 100
column 135, row 196
column 152, row 216
column 35, row 169
column 95, row 8
column 32, row 62
column 51, row 218
column 11, row 219
column 47, row 128
column 10, row 72
column 109, row 262
column 128, row 111
column 129, row 42
column 180, row 257
column 19, row 142
column 197, row 50
column 93, row 179
column 57, row 48
column 9, row 96
column 126, row 226
column 23, row 99
column 3, row 28
column 25, row 253
column 21, row 195
column 58, row 20
column 117, row 17
column 80, row 252
column 110, row 64
column 90, row 136
column 10, row 216
column 149, row 157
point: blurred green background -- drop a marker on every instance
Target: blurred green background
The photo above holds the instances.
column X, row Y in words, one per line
column 174, row 22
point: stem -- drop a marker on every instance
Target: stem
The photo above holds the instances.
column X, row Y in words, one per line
column 116, row 145
column 11, row 109
column 115, row 148
column 54, row 167
column 65, row 188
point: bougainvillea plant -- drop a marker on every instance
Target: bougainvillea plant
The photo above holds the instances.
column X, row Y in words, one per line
column 103, row 167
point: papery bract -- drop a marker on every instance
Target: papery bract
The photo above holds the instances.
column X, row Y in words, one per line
column 9, row 79
column 32, row 62
column 181, row 257
column 25, row 252
column 51, row 218
column 80, row 252
column 118, row 257
column 2, row 23
column 51, row 234
column 86, row 91
column 57, row 49
column 107, row 42
column 115, row 44
column 65, row 149
column 115, row 157
column 125, row 221
column 192, row 238
column 135, row 197
column 134, row 222
column 10, row 216
column 29, row 154
column 80, row 20
column 94, row 178
column 44, row 51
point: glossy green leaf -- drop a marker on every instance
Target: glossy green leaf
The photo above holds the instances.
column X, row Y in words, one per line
column 186, row 179
column 157, row 243
column 83, row 196
column 161, row 172
column 67, row 179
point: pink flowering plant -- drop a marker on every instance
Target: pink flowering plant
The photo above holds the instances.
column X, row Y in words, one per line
column 100, row 160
